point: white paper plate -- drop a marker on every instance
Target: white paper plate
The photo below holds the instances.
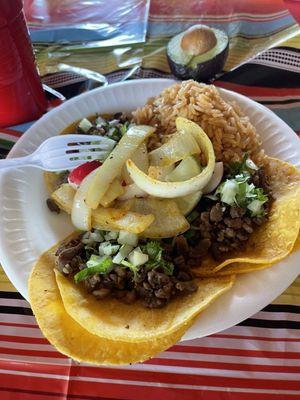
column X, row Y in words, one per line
column 27, row 228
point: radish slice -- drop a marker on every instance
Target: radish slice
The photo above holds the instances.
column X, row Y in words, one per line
column 79, row 173
column 215, row 179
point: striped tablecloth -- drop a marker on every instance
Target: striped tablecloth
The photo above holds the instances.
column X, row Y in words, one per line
column 259, row 358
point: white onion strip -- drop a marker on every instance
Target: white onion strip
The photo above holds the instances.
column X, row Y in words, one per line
column 157, row 188
column 81, row 214
column 112, row 166
column 215, row 179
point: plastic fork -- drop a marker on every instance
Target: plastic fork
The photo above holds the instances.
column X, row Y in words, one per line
column 64, row 152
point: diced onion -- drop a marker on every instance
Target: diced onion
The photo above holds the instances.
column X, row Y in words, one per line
column 112, row 166
column 177, row 189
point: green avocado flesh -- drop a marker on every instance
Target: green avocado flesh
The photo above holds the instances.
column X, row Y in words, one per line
column 178, row 56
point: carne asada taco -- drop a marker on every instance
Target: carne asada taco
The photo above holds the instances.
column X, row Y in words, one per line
column 78, row 342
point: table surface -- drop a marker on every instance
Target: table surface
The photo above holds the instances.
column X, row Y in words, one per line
column 259, row 358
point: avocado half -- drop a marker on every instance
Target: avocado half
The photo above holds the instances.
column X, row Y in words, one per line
column 198, row 53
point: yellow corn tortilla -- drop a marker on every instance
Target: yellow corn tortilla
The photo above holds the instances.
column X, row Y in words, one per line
column 275, row 239
column 109, row 317
column 237, row 268
column 72, row 339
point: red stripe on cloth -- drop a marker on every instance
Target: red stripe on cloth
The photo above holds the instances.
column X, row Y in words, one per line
column 56, row 386
column 33, row 367
column 266, row 339
column 32, row 353
column 12, row 132
column 174, row 378
column 23, row 339
column 19, row 394
column 254, row 91
column 223, row 365
column 18, row 325
column 83, row 389
column 235, row 352
column 168, row 394
column 133, row 392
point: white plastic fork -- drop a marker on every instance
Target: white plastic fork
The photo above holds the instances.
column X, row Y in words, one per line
column 64, row 152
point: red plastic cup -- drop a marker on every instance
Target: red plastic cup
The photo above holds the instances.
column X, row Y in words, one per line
column 21, row 94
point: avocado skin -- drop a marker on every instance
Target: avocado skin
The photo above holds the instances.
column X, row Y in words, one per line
column 204, row 71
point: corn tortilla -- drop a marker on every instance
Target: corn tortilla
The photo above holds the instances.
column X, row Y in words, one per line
column 108, row 318
column 72, row 339
column 238, row 268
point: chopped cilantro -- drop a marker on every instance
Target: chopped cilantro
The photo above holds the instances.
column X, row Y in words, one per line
column 155, row 251
column 132, row 267
column 95, row 265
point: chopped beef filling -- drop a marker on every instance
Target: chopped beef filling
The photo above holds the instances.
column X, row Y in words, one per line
column 70, row 256
column 154, row 288
column 220, row 229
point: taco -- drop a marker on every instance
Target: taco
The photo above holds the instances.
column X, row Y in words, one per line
column 94, row 344
column 274, row 239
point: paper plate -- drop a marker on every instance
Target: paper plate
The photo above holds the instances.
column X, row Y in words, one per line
column 27, row 228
